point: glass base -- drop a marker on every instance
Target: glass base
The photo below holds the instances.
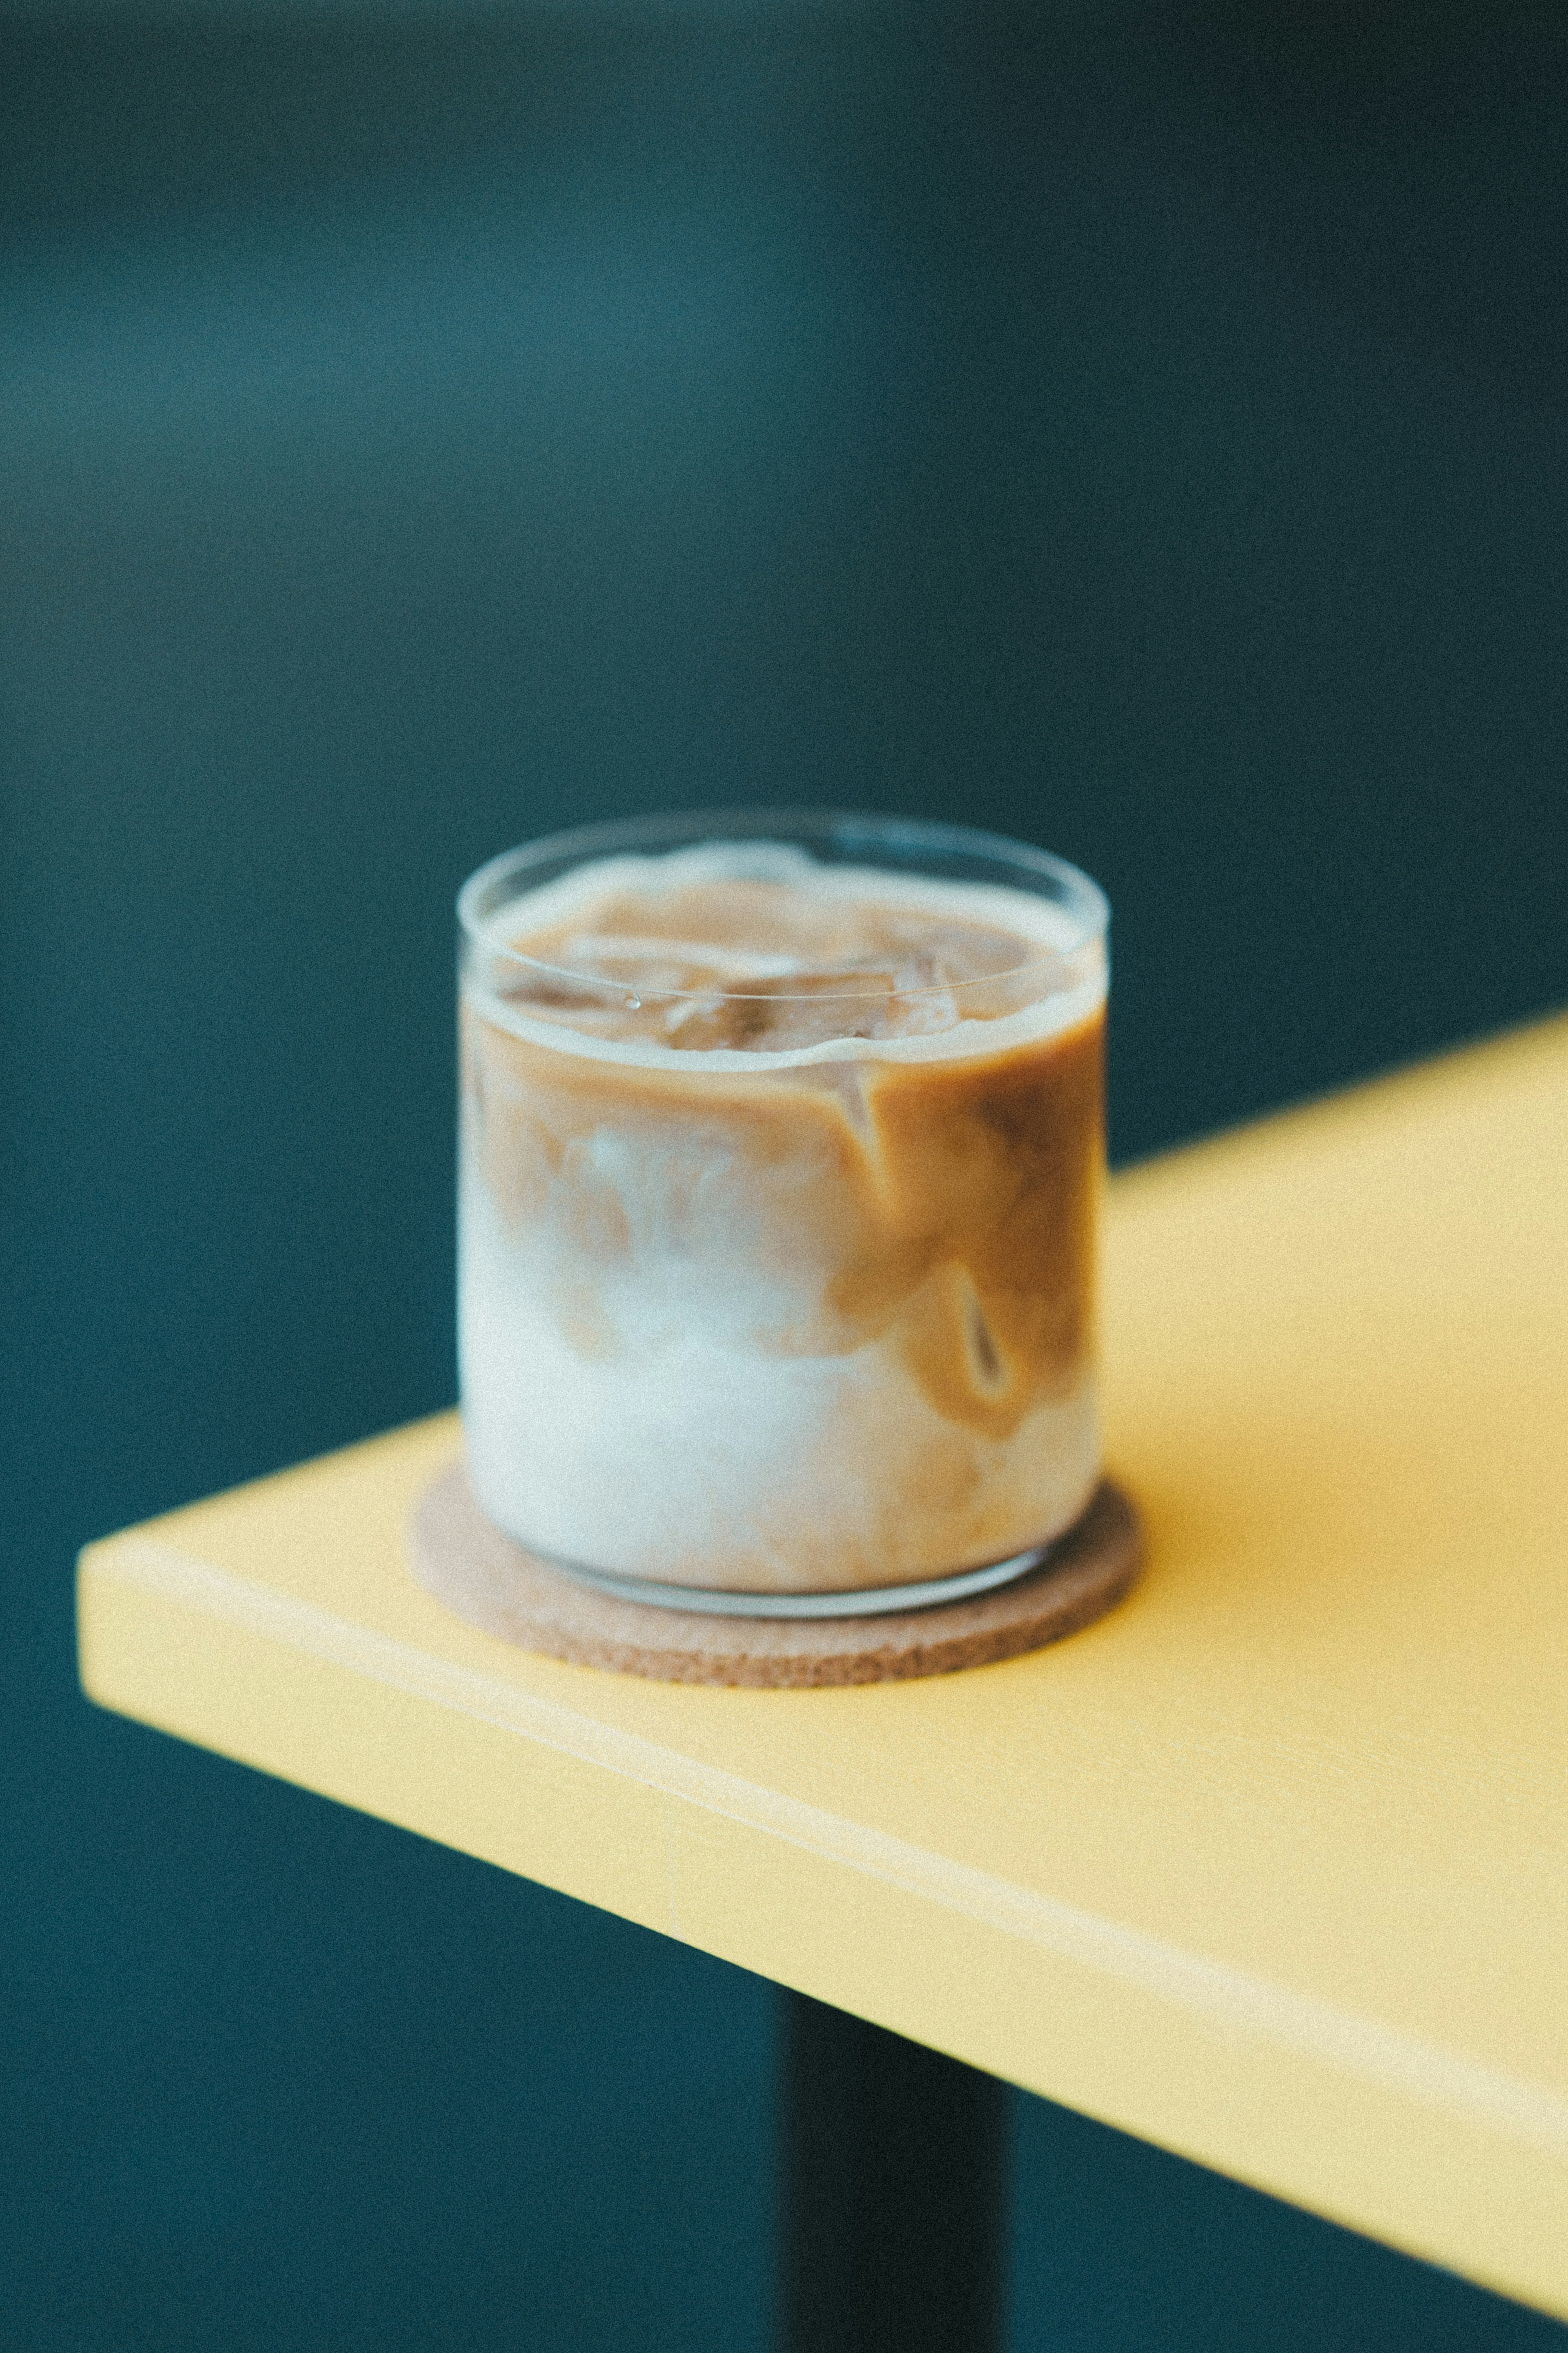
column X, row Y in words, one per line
column 863, row 1601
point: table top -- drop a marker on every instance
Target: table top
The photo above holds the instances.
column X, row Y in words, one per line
column 1270, row 1866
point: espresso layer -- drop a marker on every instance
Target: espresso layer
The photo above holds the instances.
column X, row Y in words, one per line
column 947, row 1209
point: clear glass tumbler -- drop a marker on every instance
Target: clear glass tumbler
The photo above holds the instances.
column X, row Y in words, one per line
column 781, row 1150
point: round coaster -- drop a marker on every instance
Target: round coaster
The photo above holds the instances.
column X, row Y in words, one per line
column 465, row 1561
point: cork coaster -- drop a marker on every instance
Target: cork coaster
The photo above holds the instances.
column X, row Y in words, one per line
column 466, row 1563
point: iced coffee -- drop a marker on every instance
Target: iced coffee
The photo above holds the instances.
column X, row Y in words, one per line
column 780, row 1172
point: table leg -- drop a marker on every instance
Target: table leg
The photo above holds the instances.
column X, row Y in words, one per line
column 894, row 2183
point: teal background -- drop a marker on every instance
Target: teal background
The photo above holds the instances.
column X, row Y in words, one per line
column 1137, row 428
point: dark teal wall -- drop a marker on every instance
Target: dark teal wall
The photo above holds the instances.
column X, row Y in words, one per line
column 1141, row 429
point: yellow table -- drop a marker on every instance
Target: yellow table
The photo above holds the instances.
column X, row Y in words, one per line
column 1271, row 1867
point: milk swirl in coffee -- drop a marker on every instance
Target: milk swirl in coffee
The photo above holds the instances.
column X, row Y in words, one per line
column 777, row 1213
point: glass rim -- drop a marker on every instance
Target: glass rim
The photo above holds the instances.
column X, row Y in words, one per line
column 1077, row 892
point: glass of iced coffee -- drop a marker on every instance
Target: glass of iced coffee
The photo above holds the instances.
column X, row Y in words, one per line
column 781, row 1146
